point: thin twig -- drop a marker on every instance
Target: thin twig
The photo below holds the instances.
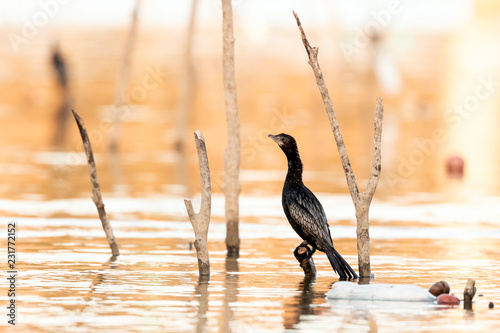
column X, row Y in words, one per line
column 96, row 190
column 201, row 220
column 376, row 154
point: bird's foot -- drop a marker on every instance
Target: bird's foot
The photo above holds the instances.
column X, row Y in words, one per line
column 304, row 250
column 304, row 244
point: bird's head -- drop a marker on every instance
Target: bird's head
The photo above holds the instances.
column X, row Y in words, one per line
column 286, row 142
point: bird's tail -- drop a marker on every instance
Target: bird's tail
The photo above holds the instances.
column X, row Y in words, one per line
column 340, row 266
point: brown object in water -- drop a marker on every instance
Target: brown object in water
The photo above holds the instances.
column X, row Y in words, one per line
column 438, row 288
column 455, row 167
column 232, row 153
column 469, row 292
column 491, row 305
column 447, row 299
column 96, row 190
column 201, row 220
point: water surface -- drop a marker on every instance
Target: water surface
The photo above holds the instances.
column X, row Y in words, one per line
column 69, row 283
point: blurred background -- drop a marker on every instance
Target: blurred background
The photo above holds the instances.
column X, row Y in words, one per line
column 435, row 63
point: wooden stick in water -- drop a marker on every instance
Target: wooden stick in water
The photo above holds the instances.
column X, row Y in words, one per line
column 469, row 292
column 232, row 153
column 201, row 220
column 96, row 190
column 361, row 200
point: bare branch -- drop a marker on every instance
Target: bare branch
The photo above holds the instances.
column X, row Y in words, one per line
column 312, row 52
column 303, row 35
column 200, row 221
column 377, row 150
column 190, row 210
column 206, row 190
column 363, row 200
column 96, row 190
column 232, row 154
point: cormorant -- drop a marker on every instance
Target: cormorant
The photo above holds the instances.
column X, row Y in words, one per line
column 304, row 211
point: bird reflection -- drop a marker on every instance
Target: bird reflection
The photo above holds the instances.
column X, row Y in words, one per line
column 299, row 305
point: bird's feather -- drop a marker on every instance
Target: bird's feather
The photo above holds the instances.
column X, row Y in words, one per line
column 307, row 217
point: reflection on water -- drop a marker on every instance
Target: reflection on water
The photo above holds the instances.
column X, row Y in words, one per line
column 300, row 304
column 203, row 297
column 87, row 308
column 230, row 295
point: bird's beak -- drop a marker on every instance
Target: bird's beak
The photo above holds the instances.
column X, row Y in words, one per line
column 274, row 138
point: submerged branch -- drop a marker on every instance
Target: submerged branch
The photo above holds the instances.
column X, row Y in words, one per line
column 96, row 190
column 201, row 220
column 362, row 200
column 232, row 154
column 469, row 292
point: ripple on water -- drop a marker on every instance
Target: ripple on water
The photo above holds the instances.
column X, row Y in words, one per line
column 68, row 280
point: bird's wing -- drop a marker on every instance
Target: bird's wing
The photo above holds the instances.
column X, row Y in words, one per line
column 307, row 212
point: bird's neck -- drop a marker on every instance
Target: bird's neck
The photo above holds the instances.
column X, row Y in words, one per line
column 294, row 166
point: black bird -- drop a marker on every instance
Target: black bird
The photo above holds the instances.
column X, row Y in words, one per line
column 304, row 211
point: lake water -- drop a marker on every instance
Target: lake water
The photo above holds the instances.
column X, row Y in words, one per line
column 69, row 283
column 425, row 227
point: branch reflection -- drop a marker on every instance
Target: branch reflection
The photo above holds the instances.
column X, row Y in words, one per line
column 230, row 294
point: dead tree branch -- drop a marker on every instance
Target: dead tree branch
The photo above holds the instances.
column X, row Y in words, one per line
column 232, row 154
column 122, row 80
column 361, row 200
column 201, row 220
column 96, row 190
column 469, row 292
